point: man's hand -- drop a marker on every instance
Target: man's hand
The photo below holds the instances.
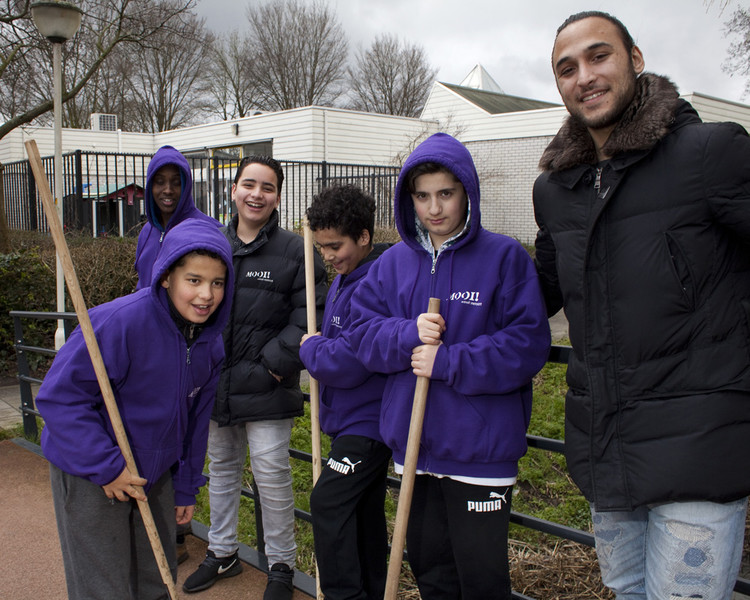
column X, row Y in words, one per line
column 124, row 487
column 423, row 359
column 430, row 327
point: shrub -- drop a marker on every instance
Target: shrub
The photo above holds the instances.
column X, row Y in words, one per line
column 104, row 267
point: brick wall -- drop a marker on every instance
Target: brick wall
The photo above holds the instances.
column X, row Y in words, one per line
column 507, row 171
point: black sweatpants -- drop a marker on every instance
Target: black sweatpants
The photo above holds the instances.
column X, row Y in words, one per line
column 104, row 543
column 348, row 519
column 457, row 539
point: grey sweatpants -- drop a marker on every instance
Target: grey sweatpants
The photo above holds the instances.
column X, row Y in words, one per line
column 105, row 548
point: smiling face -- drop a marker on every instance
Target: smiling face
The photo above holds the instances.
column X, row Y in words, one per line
column 595, row 74
column 342, row 251
column 166, row 187
column 196, row 286
column 441, row 203
column 256, row 194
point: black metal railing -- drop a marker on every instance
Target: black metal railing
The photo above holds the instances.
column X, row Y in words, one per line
column 558, row 354
column 103, row 193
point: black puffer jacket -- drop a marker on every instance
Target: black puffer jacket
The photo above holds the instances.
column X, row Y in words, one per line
column 269, row 317
column 648, row 253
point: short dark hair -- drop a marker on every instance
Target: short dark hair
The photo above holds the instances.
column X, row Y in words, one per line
column 627, row 39
column 345, row 208
column 262, row 160
column 425, row 168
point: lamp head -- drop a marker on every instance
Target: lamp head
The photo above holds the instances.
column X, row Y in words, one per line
column 56, row 20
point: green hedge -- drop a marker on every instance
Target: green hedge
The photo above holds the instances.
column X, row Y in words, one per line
column 28, row 273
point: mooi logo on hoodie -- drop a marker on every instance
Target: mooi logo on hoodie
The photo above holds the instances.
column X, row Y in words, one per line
column 466, row 298
column 259, row 275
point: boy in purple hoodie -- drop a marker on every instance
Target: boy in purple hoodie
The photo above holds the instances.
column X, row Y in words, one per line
column 169, row 201
column 163, row 351
column 480, row 352
column 348, row 519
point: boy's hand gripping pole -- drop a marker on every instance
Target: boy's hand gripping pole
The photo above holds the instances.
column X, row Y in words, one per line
column 407, row 479
column 312, row 328
column 53, row 220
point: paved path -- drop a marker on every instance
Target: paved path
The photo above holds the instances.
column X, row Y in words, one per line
column 32, row 561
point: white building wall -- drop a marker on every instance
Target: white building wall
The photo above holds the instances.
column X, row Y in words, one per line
column 713, row 109
column 507, row 171
column 304, row 134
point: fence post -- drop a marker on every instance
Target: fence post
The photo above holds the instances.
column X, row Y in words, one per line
column 4, row 238
column 27, row 400
column 258, row 519
column 31, row 188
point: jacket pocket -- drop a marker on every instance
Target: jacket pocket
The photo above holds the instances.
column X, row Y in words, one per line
column 681, row 270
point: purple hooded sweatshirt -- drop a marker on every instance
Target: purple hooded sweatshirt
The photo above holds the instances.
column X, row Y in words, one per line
column 497, row 335
column 350, row 395
column 164, row 390
column 152, row 235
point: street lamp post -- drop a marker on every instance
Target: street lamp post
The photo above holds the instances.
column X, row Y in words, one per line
column 58, row 22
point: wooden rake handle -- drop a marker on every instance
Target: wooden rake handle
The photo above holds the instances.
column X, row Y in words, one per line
column 312, row 328
column 408, row 477
column 55, row 226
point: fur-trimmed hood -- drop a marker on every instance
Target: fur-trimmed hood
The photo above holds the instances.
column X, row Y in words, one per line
column 646, row 121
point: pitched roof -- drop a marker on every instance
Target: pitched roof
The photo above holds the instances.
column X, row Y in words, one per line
column 496, row 103
column 480, row 79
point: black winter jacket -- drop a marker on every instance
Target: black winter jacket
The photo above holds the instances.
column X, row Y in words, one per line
column 268, row 319
column 648, row 254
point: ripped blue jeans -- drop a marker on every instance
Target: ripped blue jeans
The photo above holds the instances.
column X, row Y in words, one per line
column 670, row 551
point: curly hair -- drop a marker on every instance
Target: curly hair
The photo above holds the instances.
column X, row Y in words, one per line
column 345, row 208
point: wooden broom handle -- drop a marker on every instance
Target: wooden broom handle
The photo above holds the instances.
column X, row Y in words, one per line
column 408, row 477
column 55, row 226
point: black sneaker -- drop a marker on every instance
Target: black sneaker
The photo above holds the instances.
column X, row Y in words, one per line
column 211, row 570
column 280, row 586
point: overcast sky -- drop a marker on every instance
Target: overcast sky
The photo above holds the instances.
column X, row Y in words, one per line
column 512, row 39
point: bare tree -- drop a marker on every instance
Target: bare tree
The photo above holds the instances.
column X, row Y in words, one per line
column 738, row 53
column 25, row 56
column 109, row 91
column 391, row 78
column 169, row 83
column 299, row 53
column 232, row 88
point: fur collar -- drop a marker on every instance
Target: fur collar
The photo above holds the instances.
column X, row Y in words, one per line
column 644, row 123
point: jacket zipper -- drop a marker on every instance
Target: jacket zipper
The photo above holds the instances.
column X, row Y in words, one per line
column 600, row 194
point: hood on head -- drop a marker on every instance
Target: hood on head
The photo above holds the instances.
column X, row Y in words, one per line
column 189, row 235
column 167, row 155
column 445, row 150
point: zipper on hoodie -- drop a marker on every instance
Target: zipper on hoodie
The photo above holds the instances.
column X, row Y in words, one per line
column 435, row 256
column 190, row 348
column 161, row 237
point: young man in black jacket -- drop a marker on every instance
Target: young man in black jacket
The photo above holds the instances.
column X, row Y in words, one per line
column 258, row 395
column 643, row 214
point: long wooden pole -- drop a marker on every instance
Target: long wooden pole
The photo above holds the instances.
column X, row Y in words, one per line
column 408, row 477
column 74, row 289
column 312, row 327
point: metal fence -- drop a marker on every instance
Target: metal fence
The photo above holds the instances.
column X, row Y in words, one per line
column 103, row 193
column 558, row 354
